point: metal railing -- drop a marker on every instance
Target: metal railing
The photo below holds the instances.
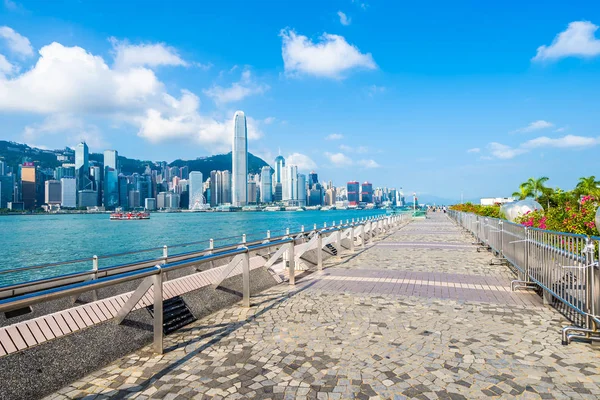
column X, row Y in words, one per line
column 562, row 265
column 289, row 247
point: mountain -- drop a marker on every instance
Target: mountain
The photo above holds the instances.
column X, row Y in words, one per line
column 13, row 154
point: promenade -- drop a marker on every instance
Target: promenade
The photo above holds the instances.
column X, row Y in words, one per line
column 418, row 314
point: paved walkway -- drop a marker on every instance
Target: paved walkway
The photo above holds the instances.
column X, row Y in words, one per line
column 420, row 314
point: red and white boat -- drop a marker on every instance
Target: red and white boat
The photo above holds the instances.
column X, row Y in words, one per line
column 129, row 216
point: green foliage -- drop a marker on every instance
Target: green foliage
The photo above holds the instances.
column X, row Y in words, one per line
column 486, row 211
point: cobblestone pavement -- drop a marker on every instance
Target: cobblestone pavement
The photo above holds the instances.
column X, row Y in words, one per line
column 354, row 332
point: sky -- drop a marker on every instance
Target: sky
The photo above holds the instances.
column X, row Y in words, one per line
column 438, row 98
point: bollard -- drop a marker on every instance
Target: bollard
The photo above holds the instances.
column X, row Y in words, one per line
column 246, row 279
column 158, row 313
column 95, row 268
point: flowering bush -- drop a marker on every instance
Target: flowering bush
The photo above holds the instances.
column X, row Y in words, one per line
column 572, row 217
column 486, row 211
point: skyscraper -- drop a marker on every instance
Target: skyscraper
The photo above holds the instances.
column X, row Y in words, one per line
column 111, row 159
column 82, row 170
column 68, row 192
column 52, row 192
column 196, row 189
column 301, row 196
column 239, row 161
column 290, row 184
column 279, row 165
column 265, row 185
column 111, row 188
column 366, row 193
column 28, row 185
column 353, row 191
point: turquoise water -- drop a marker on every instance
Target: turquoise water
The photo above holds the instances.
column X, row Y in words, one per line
column 27, row 240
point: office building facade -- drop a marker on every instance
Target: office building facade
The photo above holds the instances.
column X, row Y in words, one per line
column 239, row 160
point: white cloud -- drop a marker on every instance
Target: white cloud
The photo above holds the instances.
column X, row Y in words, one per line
column 334, row 136
column 561, row 129
column 568, row 141
column 237, row 91
column 72, row 81
column 344, row 20
column 11, row 5
column 474, row 150
column 269, row 120
column 374, row 89
column 6, row 68
column 349, row 149
column 144, row 55
column 361, row 4
column 339, row 159
column 534, row 126
column 369, row 163
column 67, row 127
column 502, row 151
column 331, row 57
column 17, row 44
column 302, row 161
column 577, row 41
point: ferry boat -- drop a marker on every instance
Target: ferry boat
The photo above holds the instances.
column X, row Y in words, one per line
column 129, row 216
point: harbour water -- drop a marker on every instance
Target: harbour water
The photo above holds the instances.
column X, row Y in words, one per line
column 41, row 239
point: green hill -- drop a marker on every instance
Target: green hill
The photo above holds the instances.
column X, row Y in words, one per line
column 14, row 154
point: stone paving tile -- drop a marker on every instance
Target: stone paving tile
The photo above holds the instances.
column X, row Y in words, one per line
column 338, row 342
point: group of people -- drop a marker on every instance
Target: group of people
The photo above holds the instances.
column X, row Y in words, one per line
column 437, row 208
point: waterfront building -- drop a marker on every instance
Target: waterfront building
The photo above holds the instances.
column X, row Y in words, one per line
column 366, row 193
column 252, row 192
column 7, row 189
column 195, row 189
column 315, row 195
column 87, row 198
column 313, row 179
column 265, row 185
column 68, row 192
column 111, row 159
column 29, row 183
column 134, row 199
column 52, row 192
column 111, row 188
column 290, row 184
column 239, row 161
column 82, row 169
column 64, row 171
column 161, row 200
column 353, row 191
column 277, row 192
column 150, row 204
column 301, row 196
column 184, row 172
column 172, row 200
column 330, row 197
column 123, row 191
column 279, row 165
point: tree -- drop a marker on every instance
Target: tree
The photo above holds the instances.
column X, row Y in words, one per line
column 535, row 187
column 588, row 185
column 522, row 193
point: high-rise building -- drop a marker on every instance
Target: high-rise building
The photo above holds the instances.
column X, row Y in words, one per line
column 134, row 199
column 220, row 188
column 52, row 192
column 82, row 171
column 68, row 192
column 265, row 185
column 161, row 200
column 29, row 177
column 2, row 168
column 353, row 191
column 196, row 189
column 111, row 159
column 64, row 171
column 87, row 198
column 252, row 192
column 174, row 172
column 150, row 204
column 82, row 156
column 239, row 161
column 313, row 179
column 301, row 196
column 366, row 193
column 290, row 184
column 111, row 188
column 279, row 165
column 172, row 200
column 184, row 172
column 123, row 191
column 7, row 190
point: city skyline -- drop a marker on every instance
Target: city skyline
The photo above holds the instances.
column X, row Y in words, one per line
column 471, row 108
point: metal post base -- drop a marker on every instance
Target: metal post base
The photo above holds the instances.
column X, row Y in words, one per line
column 483, row 247
column 584, row 335
column 517, row 284
column 498, row 261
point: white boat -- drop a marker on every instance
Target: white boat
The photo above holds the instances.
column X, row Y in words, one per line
column 273, row 208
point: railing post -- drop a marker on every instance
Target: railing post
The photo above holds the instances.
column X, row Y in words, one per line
column 95, row 268
column 352, row 238
column 324, row 224
column 211, row 245
column 314, row 227
column 165, row 259
column 268, row 236
column 338, row 241
column 291, row 263
column 158, row 312
column 287, row 232
column 319, row 251
column 246, row 279
column 362, row 236
column 244, row 239
column 302, row 228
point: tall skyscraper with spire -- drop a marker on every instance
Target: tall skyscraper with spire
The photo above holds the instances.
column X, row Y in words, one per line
column 239, row 161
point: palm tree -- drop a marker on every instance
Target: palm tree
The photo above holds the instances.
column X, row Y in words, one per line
column 522, row 193
column 588, row 185
column 535, row 187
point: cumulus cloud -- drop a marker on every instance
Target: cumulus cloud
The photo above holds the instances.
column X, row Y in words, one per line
column 344, row 20
column 339, row 159
column 144, row 55
column 15, row 42
column 269, row 120
column 70, row 128
column 368, row 163
column 6, row 68
column 534, row 126
column 237, row 91
column 72, row 81
column 334, row 136
column 503, row 151
column 577, row 40
column 330, row 57
column 302, row 161
column 474, row 150
column 350, row 149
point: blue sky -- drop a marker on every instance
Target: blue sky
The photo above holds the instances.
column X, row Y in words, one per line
column 438, row 98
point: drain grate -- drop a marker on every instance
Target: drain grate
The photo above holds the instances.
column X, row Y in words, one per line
column 176, row 314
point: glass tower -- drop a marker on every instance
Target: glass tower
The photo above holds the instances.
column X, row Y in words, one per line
column 239, row 161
